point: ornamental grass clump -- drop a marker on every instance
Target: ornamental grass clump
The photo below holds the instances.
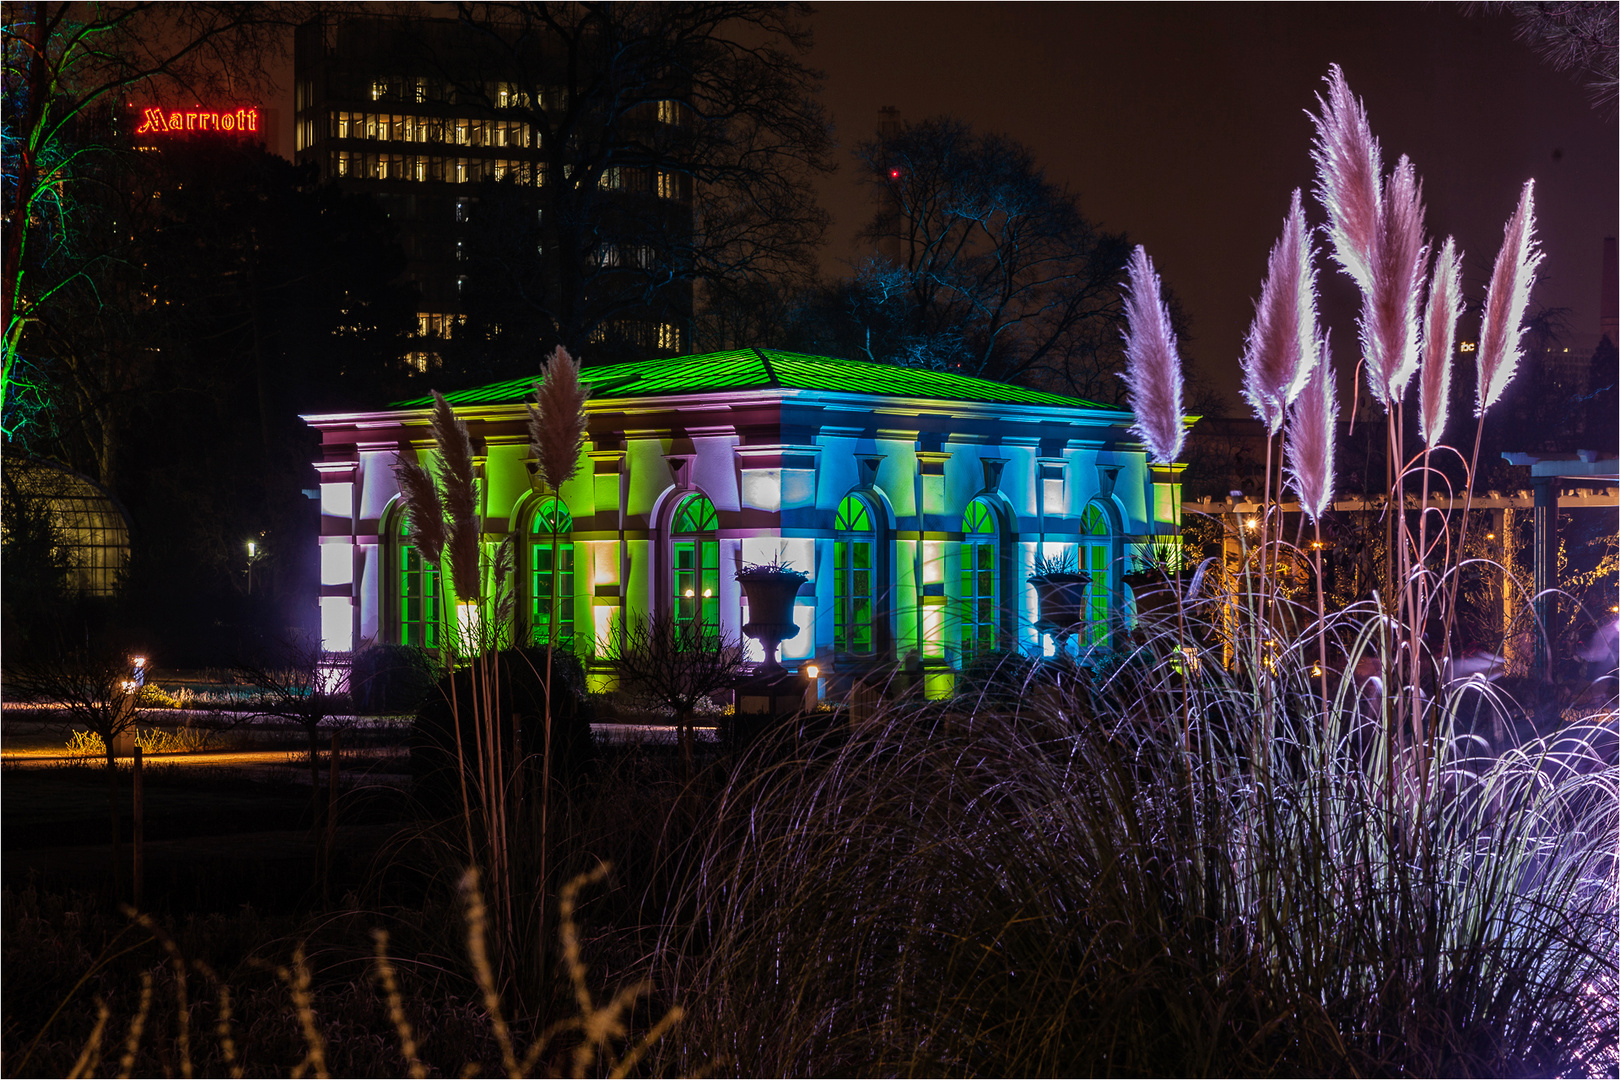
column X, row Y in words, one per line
column 1060, row 880
column 444, row 525
column 380, row 1014
column 1264, row 839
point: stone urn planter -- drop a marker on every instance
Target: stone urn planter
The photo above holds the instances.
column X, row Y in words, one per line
column 1060, row 594
column 770, row 588
column 1061, row 599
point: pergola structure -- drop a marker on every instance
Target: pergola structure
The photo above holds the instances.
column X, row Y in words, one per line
column 1582, row 480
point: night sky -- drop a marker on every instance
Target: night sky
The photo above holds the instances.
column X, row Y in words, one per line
column 1185, row 127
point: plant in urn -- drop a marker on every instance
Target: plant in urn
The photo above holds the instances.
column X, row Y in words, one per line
column 770, row 588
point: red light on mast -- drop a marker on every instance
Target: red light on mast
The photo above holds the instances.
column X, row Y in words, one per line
column 894, row 174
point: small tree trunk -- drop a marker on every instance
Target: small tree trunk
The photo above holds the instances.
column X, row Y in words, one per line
column 683, row 724
column 137, row 839
column 112, row 802
column 330, row 836
column 315, row 775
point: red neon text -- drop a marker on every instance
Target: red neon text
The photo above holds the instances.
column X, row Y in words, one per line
column 154, row 121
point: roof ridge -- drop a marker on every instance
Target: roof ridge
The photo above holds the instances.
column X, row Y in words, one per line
column 770, row 372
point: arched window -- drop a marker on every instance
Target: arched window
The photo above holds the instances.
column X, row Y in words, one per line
column 551, row 574
column 1095, row 557
column 854, row 576
column 695, row 558
column 420, row 607
column 981, row 589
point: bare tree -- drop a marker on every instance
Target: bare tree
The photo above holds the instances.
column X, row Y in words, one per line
column 1573, row 35
column 982, row 264
column 93, row 687
column 294, row 684
column 67, row 66
column 674, row 667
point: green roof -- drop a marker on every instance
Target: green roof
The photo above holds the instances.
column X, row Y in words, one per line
column 763, row 369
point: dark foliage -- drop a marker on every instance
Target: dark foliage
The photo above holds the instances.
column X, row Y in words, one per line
column 521, row 698
column 34, row 568
column 223, row 297
column 983, row 265
column 391, row 679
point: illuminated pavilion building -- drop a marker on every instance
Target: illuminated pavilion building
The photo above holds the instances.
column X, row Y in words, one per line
column 916, row 500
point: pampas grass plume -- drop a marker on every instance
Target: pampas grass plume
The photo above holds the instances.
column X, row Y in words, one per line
column 1152, row 367
column 1389, row 313
column 1349, row 169
column 460, row 496
column 424, row 511
column 1509, row 294
column 1439, row 335
column 557, row 419
column 1312, row 428
column 1281, row 348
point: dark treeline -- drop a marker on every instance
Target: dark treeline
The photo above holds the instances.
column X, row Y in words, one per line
column 220, row 294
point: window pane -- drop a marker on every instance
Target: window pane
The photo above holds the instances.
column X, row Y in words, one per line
column 979, row 597
column 695, row 515
column 419, row 599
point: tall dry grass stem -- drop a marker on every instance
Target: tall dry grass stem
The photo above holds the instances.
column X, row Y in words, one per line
column 1313, row 422
column 388, row 977
column 1506, row 298
column 177, row 963
column 1389, row 320
column 137, row 1028
column 90, row 1056
column 473, row 909
column 222, row 1029
column 1279, row 355
column 424, row 510
column 1500, row 344
column 557, row 428
column 1440, row 316
column 460, row 495
column 297, row 981
column 1313, row 425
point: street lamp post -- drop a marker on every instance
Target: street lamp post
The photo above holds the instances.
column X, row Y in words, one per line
column 253, row 557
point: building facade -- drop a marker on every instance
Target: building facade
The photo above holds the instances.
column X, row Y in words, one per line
column 916, row 501
column 438, row 121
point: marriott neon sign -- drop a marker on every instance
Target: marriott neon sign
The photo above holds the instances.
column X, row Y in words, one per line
column 159, row 121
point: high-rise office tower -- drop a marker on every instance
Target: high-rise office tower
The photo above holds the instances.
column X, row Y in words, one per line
column 529, row 213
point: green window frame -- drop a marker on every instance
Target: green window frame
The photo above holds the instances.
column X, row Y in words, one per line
column 420, row 609
column 981, row 581
column 551, row 557
column 854, row 577
column 695, row 563
column 1095, row 557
